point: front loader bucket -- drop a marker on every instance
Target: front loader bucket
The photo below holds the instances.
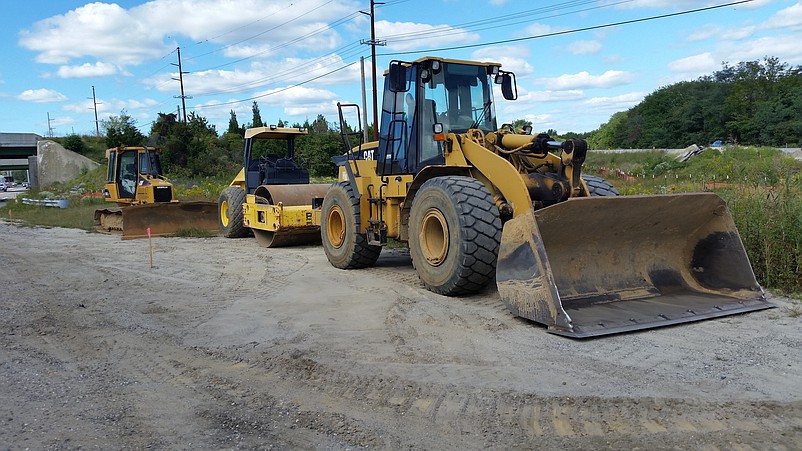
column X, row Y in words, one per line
column 168, row 218
column 603, row 265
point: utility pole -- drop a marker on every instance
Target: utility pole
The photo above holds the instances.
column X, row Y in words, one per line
column 180, row 79
column 94, row 102
column 373, row 43
column 49, row 128
column 364, row 101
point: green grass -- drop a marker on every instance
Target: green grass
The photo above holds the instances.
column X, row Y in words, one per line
column 762, row 187
column 79, row 215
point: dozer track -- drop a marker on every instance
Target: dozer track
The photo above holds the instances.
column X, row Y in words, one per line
column 163, row 219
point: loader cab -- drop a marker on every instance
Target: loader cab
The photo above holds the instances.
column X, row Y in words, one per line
column 429, row 98
column 270, row 157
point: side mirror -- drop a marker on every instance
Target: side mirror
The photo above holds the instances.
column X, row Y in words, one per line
column 398, row 77
column 509, row 89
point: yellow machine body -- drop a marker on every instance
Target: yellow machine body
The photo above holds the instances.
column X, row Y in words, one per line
column 145, row 198
column 477, row 202
column 271, row 196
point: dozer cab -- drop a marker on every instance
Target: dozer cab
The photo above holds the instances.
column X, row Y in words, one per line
column 476, row 202
column 145, row 199
column 271, row 197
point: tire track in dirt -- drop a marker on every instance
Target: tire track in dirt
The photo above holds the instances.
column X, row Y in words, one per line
column 453, row 412
column 435, row 384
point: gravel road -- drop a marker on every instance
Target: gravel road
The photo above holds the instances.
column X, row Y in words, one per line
column 225, row 345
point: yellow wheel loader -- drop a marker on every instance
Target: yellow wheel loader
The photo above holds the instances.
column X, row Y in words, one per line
column 145, row 199
column 476, row 202
column 271, row 197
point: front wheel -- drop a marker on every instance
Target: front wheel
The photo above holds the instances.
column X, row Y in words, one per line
column 454, row 237
column 229, row 212
column 344, row 246
column 597, row 186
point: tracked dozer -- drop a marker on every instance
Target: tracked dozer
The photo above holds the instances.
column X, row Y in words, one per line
column 271, row 197
column 145, row 198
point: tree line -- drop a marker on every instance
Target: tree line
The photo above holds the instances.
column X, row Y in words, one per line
column 196, row 149
column 754, row 103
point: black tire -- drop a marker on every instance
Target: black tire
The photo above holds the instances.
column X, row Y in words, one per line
column 598, row 186
column 339, row 224
column 454, row 237
column 229, row 213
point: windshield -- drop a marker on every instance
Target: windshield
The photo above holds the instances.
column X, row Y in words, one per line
column 150, row 164
column 462, row 97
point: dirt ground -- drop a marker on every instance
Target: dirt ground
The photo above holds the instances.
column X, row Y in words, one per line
column 225, row 345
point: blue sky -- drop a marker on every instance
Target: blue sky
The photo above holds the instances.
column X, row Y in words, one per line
column 298, row 58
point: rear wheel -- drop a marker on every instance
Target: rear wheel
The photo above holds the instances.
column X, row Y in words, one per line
column 598, row 186
column 229, row 209
column 454, row 236
column 345, row 247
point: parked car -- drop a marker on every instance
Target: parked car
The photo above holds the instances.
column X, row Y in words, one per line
column 3, row 186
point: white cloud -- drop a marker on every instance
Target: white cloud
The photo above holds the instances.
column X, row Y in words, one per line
column 790, row 17
column 298, row 101
column 512, row 58
column 584, row 47
column 583, row 80
column 683, row 4
column 722, row 33
column 615, row 103
column 539, row 29
column 99, row 69
column 556, row 96
column 113, row 106
column 233, row 21
column 122, row 37
column 697, row 64
column 786, row 48
column 41, row 96
column 405, row 36
column 259, row 75
column 101, row 30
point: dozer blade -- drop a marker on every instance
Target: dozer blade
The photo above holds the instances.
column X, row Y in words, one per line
column 162, row 218
column 603, row 265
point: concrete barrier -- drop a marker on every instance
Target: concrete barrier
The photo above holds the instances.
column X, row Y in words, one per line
column 58, row 203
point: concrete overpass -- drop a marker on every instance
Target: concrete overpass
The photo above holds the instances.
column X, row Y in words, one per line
column 15, row 148
column 47, row 162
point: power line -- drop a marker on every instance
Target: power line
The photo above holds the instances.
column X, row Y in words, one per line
column 260, row 33
column 234, row 29
column 505, row 41
column 575, row 30
column 343, row 53
column 478, row 25
column 233, row 102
